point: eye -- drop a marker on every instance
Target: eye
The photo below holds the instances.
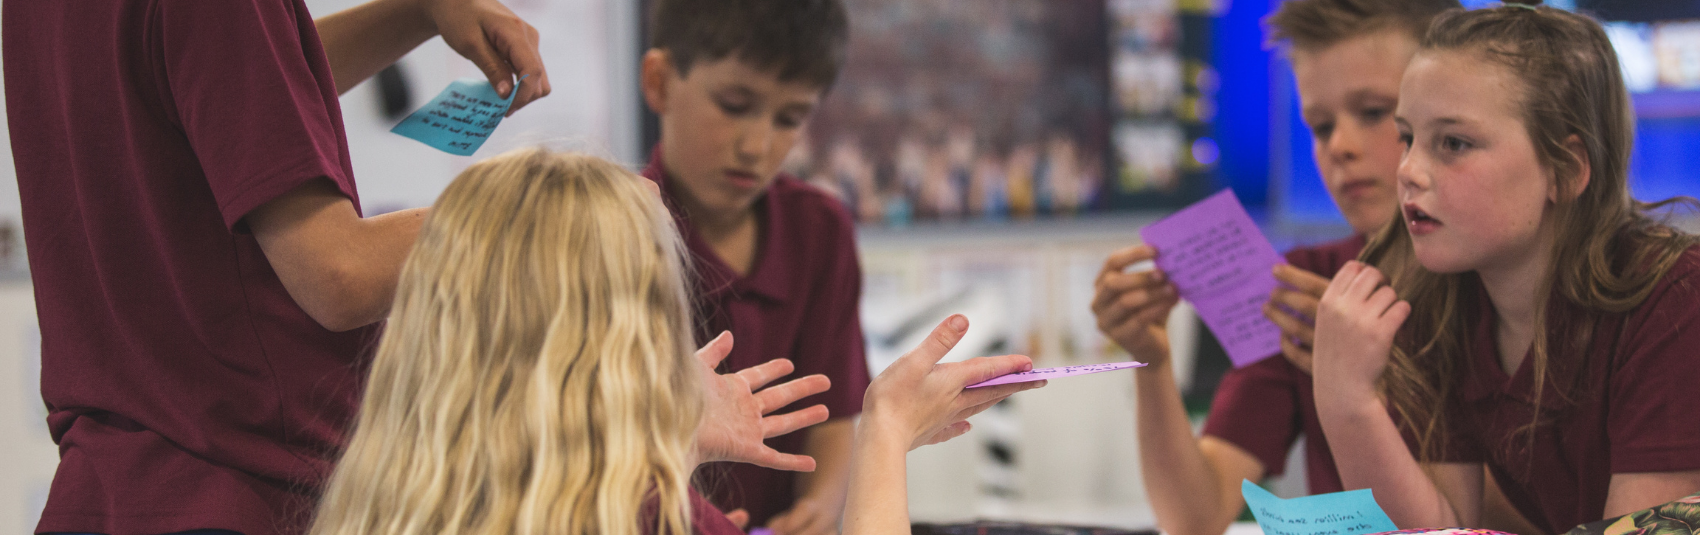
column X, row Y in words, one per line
column 1405, row 139
column 733, row 106
column 788, row 120
column 1453, row 144
column 1373, row 115
column 1321, row 131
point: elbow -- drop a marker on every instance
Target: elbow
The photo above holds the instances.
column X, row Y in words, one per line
column 338, row 301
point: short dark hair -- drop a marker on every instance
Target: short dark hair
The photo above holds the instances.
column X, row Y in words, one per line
column 1314, row 24
column 798, row 40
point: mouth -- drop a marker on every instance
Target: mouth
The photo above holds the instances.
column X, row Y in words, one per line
column 741, row 178
column 1354, row 188
column 1419, row 221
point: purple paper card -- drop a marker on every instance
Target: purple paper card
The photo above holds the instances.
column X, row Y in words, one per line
column 1053, row 373
column 761, row 531
column 1221, row 262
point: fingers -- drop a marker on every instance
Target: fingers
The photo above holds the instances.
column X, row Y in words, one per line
column 1398, row 313
column 979, row 399
column 517, row 43
column 949, row 432
column 770, row 458
column 1119, row 261
column 1291, row 326
column 716, row 350
column 1365, row 283
column 739, row 518
column 798, row 521
column 780, row 424
column 981, row 369
column 1296, row 354
column 1301, row 280
column 771, row 399
column 943, row 338
column 1343, row 279
column 1301, row 302
column 761, row 374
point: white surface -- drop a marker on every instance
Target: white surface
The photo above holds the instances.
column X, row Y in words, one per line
column 27, row 455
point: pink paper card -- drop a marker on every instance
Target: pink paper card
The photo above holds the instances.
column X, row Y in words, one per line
column 1220, row 261
column 1053, row 373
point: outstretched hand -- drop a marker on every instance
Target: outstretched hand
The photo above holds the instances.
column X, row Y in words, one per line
column 497, row 41
column 735, row 418
column 925, row 402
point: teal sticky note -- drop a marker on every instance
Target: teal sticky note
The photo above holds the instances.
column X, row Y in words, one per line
column 461, row 118
column 1352, row 512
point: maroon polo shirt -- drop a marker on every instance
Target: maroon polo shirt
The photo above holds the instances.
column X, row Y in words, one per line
column 185, row 389
column 1264, row 407
column 800, row 301
column 1632, row 410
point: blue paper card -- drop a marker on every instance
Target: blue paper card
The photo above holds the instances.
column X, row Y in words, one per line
column 1338, row 513
column 461, row 118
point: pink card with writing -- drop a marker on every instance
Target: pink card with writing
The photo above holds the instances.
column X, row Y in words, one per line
column 1220, row 261
column 1053, row 373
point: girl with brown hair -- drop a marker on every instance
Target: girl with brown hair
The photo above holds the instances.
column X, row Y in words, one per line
column 1540, row 322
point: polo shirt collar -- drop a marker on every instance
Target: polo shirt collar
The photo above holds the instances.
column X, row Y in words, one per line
column 1485, row 378
column 769, row 278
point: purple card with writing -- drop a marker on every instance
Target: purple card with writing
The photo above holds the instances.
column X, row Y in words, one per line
column 1053, row 373
column 1221, row 262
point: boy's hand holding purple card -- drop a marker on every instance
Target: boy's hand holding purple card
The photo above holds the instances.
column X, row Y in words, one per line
column 1053, row 373
column 1220, row 261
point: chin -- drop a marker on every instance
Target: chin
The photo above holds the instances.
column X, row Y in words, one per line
column 1439, row 261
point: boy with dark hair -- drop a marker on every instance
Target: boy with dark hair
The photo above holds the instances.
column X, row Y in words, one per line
column 734, row 82
column 1348, row 58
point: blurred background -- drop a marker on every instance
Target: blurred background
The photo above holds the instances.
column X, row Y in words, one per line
column 994, row 152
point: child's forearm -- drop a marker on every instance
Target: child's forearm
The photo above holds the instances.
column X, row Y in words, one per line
column 1184, row 486
column 829, row 443
column 1370, row 454
column 878, row 502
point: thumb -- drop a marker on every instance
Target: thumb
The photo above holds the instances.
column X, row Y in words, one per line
column 483, row 55
column 716, row 350
column 739, row 518
column 943, row 338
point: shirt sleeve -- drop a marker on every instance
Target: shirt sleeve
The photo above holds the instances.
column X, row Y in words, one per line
column 1257, row 409
column 830, row 341
column 248, row 80
column 1652, row 422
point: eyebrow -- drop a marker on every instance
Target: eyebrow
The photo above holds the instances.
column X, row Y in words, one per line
column 1360, row 96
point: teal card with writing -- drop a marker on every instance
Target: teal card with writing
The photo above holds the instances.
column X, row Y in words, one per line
column 460, row 119
column 1352, row 512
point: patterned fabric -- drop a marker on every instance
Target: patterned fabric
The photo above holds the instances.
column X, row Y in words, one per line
column 1678, row 517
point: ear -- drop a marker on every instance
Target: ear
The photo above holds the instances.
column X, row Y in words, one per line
column 656, row 77
column 1584, row 170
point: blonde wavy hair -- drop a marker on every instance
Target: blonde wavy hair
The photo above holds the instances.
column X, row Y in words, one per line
column 537, row 374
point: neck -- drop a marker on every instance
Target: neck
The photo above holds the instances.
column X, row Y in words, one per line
column 713, row 224
column 1517, row 289
column 1517, row 285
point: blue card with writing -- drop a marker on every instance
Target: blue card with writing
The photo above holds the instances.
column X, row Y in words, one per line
column 1353, row 512
column 460, row 119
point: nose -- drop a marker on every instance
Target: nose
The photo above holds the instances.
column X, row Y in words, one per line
column 754, row 139
column 1345, row 143
column 1412, row 174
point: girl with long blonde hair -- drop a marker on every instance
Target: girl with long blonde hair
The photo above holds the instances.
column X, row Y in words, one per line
column 1540, row 322
column 536, row 375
